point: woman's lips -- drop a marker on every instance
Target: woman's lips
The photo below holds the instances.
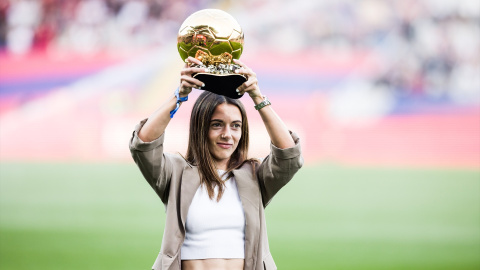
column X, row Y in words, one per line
column 224, row 145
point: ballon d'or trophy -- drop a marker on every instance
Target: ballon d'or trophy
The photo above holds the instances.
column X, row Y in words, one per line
column 215, row 38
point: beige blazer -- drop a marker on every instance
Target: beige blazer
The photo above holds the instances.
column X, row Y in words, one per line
column 175, row 181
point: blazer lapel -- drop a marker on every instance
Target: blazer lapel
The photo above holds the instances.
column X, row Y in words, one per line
column 250, row 196
column 247, row 188
column 189, row 185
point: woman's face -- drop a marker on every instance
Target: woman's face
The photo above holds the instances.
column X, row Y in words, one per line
column 224, row 133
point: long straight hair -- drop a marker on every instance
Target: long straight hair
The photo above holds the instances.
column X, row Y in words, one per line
column 198, row 153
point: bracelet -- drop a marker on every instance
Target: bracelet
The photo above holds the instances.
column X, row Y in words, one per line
column 179, row 100
column 262, row 104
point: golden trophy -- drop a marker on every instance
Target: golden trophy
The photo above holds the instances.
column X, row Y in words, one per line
column 215, row 38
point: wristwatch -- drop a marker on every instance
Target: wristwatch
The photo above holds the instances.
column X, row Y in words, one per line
column 262, row 104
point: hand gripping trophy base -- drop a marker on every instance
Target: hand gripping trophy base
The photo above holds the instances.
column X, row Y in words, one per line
column 221, row 78
column 225, row 85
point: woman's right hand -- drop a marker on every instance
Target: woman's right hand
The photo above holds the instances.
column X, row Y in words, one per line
column 187, row 82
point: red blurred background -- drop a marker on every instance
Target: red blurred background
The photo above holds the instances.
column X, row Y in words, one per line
column 386, row 83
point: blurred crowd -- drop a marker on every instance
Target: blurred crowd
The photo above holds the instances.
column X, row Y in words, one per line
column 426, row 47
column 89, row 26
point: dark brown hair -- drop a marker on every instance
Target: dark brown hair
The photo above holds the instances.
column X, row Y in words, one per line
column 198, row 153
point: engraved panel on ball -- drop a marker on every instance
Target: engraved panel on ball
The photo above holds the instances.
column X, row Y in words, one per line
column 236, row 41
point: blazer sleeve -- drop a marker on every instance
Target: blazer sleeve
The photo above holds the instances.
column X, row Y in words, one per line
column 155, row 166
column 278, row 168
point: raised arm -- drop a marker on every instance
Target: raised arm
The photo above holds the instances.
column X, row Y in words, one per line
column 146, row 144
column 278, row 132
column 285, row 158
column 158, row 121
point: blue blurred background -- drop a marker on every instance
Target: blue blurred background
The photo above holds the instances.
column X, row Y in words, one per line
column 385, row 95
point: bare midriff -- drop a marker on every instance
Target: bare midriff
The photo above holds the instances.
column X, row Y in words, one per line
column 213, row 264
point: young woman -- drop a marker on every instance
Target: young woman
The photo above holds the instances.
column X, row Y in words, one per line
column 215, row 197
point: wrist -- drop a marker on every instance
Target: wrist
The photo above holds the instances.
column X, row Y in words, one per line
column 263, row 103
column 182, row 93
column 179, row 100
column 257, row 99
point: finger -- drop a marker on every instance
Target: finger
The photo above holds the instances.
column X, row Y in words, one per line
column 251, row 81
column 240, row 63
column 188, row 62
column 191, row 81
column 252, row 91
column 193, row 60
column 253, row 85
column 187, row 84
column 249, row 89
column 248, row 83
column 193, row 70
column 241, row 92
column 186, row 88
column 246, row 72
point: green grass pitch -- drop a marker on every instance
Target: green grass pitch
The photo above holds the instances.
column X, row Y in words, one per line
column 105, row 216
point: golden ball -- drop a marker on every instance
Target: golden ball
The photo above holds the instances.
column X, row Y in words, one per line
column 212, row 31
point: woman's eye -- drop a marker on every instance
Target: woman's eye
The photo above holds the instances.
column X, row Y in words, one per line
column 237, row 126
column 215, row 124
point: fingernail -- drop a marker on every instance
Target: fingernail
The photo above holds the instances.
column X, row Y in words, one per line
column 239, row 94
column 203, row 85
column 237, row 90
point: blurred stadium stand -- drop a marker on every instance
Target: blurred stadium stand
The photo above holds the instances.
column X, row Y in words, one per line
column 370, row 82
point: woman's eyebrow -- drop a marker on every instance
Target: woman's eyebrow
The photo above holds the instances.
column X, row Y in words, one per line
column 221, row 121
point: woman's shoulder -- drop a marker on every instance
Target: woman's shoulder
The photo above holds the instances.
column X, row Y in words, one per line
column 251, row 165
column 251, row 162
column 177, row 159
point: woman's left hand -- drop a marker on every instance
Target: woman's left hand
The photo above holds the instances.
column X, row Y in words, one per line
column 251, row 85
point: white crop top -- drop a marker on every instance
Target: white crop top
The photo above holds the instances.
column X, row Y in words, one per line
column 215, row 230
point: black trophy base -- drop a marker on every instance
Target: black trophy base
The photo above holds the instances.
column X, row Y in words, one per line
column 224, row 84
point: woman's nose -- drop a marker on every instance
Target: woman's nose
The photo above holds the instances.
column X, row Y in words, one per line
column 227, row 133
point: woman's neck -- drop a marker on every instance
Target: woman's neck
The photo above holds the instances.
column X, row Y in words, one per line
column 221, row 165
